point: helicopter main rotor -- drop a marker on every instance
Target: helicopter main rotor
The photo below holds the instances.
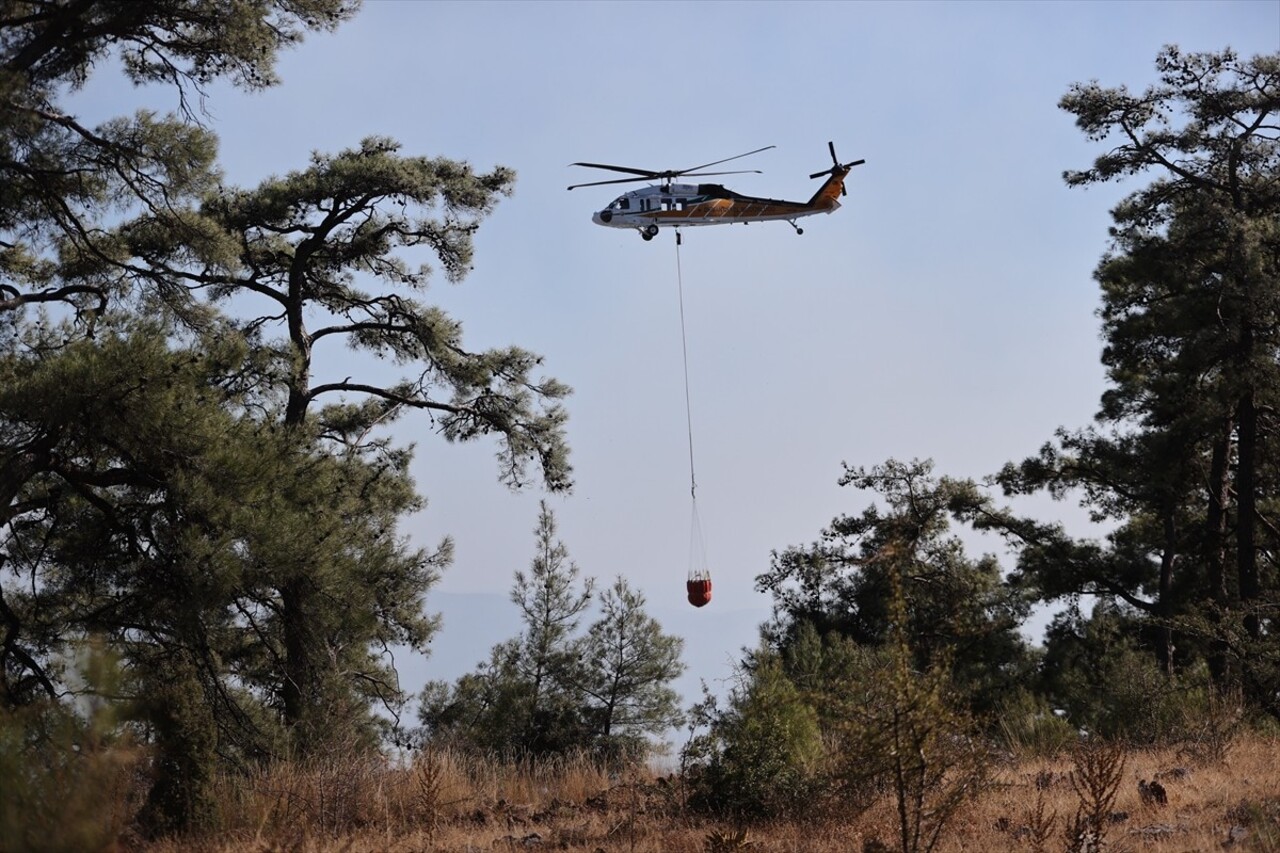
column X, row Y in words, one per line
column 666, row 176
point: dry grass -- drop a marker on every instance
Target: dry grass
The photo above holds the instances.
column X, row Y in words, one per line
column 444, row 802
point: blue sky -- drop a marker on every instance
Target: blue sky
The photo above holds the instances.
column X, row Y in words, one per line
column 946, row 311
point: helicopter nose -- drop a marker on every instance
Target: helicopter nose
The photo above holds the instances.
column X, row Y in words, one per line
column 603, row 217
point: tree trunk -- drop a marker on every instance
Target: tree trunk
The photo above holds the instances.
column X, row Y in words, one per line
column 300, row 677
column 1246, row 501
column 1216, row 530
column 296, row 595
column 184, row 746
column 1164, row 643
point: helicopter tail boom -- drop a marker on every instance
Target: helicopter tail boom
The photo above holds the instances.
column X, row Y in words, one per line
column 828, row 195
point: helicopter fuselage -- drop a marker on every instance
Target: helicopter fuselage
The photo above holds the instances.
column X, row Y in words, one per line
column 671, row 205
column 684, row 205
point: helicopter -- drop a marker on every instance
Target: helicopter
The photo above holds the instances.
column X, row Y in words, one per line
column 671, row 205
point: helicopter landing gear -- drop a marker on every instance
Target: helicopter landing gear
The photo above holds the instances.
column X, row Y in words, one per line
column 648, row 232
column 792, row 223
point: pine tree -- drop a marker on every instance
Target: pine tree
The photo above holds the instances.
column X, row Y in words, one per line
column 551, row 604
column 954, row 605
column 174, row 476
column 629, row 665
column 526, row 698
column 1183, row 460
column 552, row 690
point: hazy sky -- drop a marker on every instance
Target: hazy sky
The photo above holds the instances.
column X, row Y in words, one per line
column 946, row 311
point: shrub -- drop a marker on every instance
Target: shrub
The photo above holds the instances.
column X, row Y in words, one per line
column 1122, row 693
column 760, row 757
column 68, row 778
column 1096, row 776
column 1026, row 726
column 915, row 736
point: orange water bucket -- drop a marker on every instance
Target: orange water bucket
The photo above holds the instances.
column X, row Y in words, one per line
column 699, row 592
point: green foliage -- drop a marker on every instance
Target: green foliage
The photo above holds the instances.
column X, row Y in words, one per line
column 954, row 604
column 913, row 736
column 1182, row 463
column 184, row 485
column 628, row 666
column 761, row 756
column 166, row 512
column 59, row 178
column 486, row 711
column 544, row 659
column 1026, row 725
column 888, row 636
column 835, row 724
column 167, row 40
column 184, row 737
column 1254, row 659
column 1095, row 671
column 552, row 691
column 68, row 769
column 325, row 246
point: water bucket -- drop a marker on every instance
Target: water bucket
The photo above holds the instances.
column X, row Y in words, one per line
column 699, row 592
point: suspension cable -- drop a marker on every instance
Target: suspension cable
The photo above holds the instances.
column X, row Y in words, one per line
column 684, row 349
column 699, row 582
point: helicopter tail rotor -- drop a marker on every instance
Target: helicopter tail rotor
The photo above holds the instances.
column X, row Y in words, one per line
column 837, row 166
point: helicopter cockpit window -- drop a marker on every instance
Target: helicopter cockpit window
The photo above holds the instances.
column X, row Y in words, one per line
column 620, row 204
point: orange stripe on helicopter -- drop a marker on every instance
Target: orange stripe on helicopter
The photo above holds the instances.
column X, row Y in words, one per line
column 826, row 199
column 732, row 209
